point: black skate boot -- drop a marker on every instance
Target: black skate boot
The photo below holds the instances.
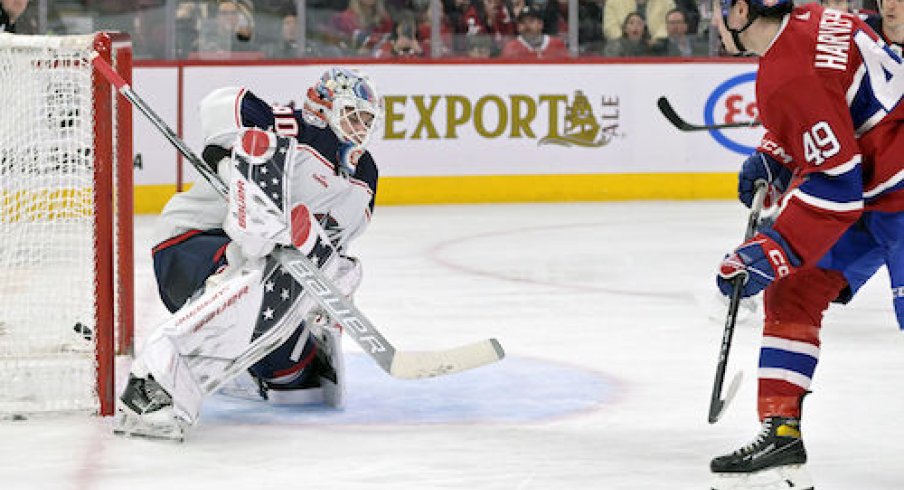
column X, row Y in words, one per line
column 146, row 410
column 778, row 444
column 774, row 459
column 144, row 395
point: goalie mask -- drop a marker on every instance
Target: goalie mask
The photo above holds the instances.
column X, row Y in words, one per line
column 346, row 101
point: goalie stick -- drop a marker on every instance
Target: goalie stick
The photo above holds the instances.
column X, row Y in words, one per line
column 399, row 364
column 665, row 107
column 717, row 404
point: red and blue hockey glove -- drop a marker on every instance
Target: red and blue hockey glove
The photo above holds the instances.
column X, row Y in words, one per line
column 758, row 261
column 760, row 166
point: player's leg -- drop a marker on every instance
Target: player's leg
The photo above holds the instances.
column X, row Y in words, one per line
column 789, row 355
column 214, row 337
column 183, row 263
column 888, row 230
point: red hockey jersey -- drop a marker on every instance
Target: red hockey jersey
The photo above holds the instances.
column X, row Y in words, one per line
column 828, row 90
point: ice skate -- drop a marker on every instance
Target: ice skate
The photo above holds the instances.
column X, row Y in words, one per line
column 146, row 410
column 774, row 460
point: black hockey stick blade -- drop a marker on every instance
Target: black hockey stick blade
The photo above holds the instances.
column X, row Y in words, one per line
column 665, row 107
column 718, row 405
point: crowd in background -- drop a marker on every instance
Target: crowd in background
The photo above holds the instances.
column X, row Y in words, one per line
column 274, row 29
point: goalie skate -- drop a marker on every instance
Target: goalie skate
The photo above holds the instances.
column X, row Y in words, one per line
column 146, row 410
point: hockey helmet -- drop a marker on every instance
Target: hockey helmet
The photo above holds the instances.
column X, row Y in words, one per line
column 765, row 8
column 347, row 101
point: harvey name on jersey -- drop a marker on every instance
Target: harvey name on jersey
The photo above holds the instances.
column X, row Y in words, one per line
column 833, row 40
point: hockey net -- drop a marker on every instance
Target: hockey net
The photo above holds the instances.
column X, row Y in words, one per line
column 65, row 223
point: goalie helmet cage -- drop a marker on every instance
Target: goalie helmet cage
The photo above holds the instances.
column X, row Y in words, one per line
column 66, row 295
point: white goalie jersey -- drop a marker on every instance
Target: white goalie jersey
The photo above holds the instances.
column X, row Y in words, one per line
column 342, row 204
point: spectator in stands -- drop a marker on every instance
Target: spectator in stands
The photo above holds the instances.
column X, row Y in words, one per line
column 286, row 46
column 679, row 42
column 490, row 17
column 481, row 46
column 188, row 15
column 590, row 26
column 635, row 39
column 531, row 42
column 422, row 11
column 691, row 14
column 652, row 12
column 890, row 24
column 555, row 16
column 10, row 11
column 231, row 29
column 276, row 27
column 236, row 18
column 403, row 41
column 361, row 26
column 454, row 18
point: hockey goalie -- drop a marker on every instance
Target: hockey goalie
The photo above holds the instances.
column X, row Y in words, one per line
column 296, row 178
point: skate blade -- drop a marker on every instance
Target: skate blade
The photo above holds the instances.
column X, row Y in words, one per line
column 127, row 425
column 791, row 477
column 153, row 435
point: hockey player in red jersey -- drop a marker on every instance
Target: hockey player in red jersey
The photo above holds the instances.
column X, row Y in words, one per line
column 828, row 91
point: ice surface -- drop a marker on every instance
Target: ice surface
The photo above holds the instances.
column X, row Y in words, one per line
column 609, row 315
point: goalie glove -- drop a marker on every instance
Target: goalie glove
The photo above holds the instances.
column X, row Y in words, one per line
column 757, row 262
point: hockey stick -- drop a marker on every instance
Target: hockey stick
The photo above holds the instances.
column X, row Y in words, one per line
column 717, row 404
column 669, row 112
column 406, row 365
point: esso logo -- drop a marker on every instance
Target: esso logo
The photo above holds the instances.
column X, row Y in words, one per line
column 734, row 101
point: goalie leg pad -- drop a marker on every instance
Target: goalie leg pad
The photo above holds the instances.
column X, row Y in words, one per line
column 222, row 333
column 309, row 368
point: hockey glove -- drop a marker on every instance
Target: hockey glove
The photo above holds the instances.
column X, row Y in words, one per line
column 760, row 166
column 757, row 262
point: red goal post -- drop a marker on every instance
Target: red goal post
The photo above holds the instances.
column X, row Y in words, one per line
column 66, row 258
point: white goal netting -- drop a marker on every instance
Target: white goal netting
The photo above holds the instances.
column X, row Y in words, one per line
column 47, row 225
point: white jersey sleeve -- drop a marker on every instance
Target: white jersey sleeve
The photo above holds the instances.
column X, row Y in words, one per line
column 199, row 208
column 221, row 116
